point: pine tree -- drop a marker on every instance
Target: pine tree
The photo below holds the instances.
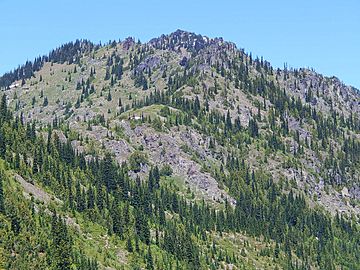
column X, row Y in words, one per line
column 2, row 145
column 108, row 172
column 79, row 197
column 196, row 106
column 90, row 198
column 117, row 222
column 142, row 226
column 78, row 86
column 107, row 75
column 129, row 246
column 253, row 128
column 144, row 84
column 61, row 244
column 77, row 104
column 2, row 206
column 3, row 108
column 228, row 121
column 151, row 181
column 46, row 102
column 149, row 260
column 156, row 176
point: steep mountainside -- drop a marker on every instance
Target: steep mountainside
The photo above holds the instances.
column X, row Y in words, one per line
column 184, row 139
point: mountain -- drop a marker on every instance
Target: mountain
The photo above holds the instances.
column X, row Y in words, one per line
column 184, row 152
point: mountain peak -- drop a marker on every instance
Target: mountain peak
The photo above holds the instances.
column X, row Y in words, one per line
column 146, row 145
column 185, row 39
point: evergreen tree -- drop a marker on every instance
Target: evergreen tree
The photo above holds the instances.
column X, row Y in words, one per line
column 109, row 98
column 107, row 74
column 61, row 244
column 46, row 102
column 149, row 260
column 108, row 172
column 78, row 86
column 228, row 121
column 129, row 246
column 2, row 206
column 2, row 145
column 3, row 107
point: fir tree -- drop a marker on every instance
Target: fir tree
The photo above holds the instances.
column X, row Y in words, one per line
column 129, row 246
column 46, row 102
column 2, row 206
column 61, row 244
column 149, row 260
column 109, row 98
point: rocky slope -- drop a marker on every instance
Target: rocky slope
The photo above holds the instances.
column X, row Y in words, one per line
column 296, row 126
column 213, row 70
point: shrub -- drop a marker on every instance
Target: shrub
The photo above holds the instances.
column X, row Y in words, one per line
column 137, row 159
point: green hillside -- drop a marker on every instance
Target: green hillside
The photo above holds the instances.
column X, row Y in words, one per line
column 184, row 152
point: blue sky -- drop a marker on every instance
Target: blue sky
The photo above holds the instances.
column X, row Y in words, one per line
column 321, row 34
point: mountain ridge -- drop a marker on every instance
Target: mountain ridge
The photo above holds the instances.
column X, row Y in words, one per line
column 152, row 41
column 189, row 140
column 211, row 55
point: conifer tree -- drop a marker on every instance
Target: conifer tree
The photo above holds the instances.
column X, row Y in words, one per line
column 149, row 260
column 2, row 206
column 46, row 102
column 129, row 246
column 61, row 244
column 2, row 145
column 3, row 107
column 228, row 121
column 107, row 75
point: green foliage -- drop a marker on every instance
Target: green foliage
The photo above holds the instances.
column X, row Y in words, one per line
column 2, row 206
column 157, row 124
column 159, row 228
column 137, row 159
column 165, row 111
column 166, row 170
column 61, row 245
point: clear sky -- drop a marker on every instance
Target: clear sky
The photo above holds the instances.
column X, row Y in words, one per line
column 321, row 34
